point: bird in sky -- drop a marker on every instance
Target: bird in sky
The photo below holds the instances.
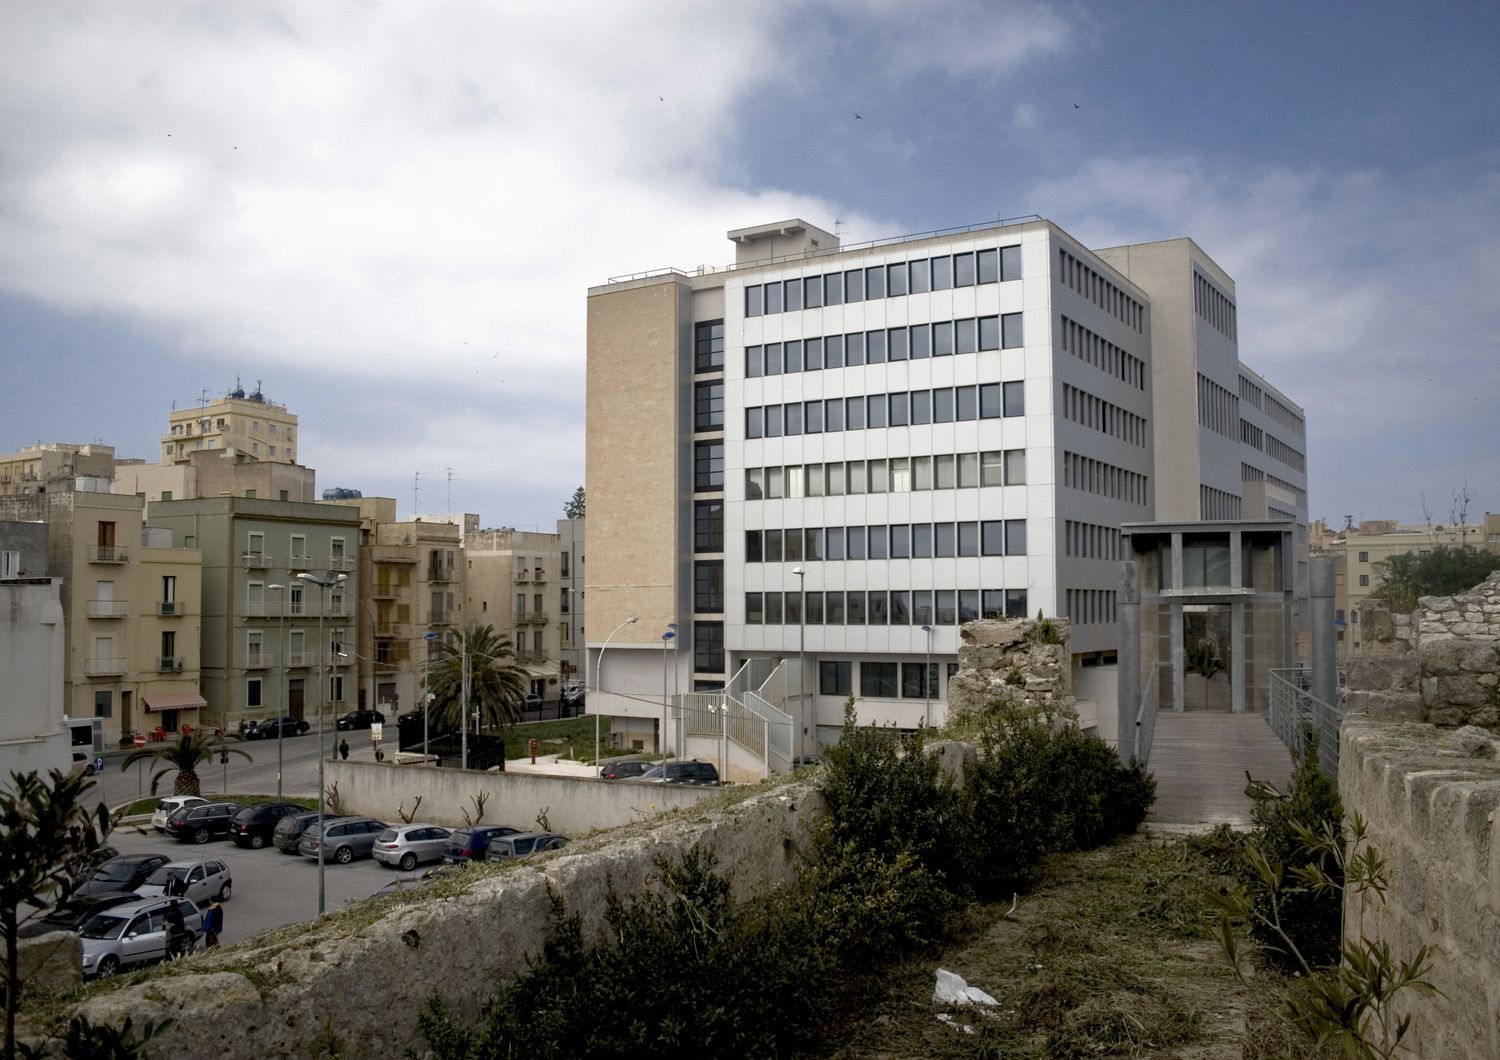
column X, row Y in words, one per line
column 1077, row 107
column 661, row 99
column 859, row 117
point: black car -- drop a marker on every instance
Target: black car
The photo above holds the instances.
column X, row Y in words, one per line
column 468, row 844
column 288, row 832
column 202, row 822
column 360, row 719
column 123, row 873
column 624, row 769
column 254, row 826
column 267, row 730
column 680, row 773
column 72, row 914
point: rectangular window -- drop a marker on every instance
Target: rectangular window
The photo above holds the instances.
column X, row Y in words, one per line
column 791, row 358
column 792, row 295
column 812, row 355
column 775, row 483
column 992, row 468
column 812, row 292
column 878, row 613
column 833, row 606
column 898, row 344
column 900, row 541
column 921, row 341
column 854, row 285
column 921, row 472
column 813, row 603
column 772, row 541
column 963, row 270
column 875, row 411
column 942, row 273
column 877, row 680
column 875, row 282
column 945, row 474
column 252, row 692
column 854, row 609
column 1015, row 398
column 967, row 403
column 895, row 279
column 835, row 678
column 942, row 405
column 1010, row 263
column 708, row 528
column 968, row 470
column 103, row 703
column 968, row 605
column 708, row 586
column 812, row 417
column 755, row 483
column 835, row 479
column 755, row 302
column 709, row 410
column 833, row 414
column 944, row 541
column 708, row 647
column 992, row 537
column 1015, row 537
column 793, row 546
column 1011, row 335
column 1015, row 603
column 755, row 422
column 773, row 298
column 833, row 543
column 919, row 680
column 854, row 413
column 920, row 402
column 840, row 350
column 900, row 474
column 900, row 607
column 989, row 401
column 793, row 417
column 921, row 277
column 921, row 541
column 993, row 605
column 773, row 358
column 813, row 539
column 1015, row 467
column 989, row 266
column 942, row 339
column 833, row 289
column 755, row 362
column 855, row 479
column 874, row 347
column 854, row 538
column 792, row 604
column 708, row 466
column 1364, row 579
column 753, row 541
column 968, row 539
column 947, row 608
column 965, row 336
column 989, row 333
column 921, row 607
column 877, row 538
column 773, row 421
column 755, row 609
column 773, row 609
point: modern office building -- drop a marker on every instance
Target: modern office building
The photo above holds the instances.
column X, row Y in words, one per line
column 510, row 585
column 807, row 469
column 246, row 423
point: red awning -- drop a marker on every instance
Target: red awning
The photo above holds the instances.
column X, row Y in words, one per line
column 175, row 701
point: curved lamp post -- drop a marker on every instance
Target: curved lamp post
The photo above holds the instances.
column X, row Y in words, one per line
column 326, row 582
column 282, row 590
column 665, row 637
column 599, row 678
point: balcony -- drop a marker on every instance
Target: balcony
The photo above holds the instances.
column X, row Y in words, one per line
column 299, row 563
column 531, row 618
column 341, row 563
column 260, row 609
column 441, row 574
column 109, row 554
column 387, row 629
column 442, row 617
column 170, row 609
column 539, row 575
column 299, row 660
column 257, row 660
column 384, row 592
column 522, row 577
column 108, row 608
column 256, row 560
column 104, row 667
column 170, row 664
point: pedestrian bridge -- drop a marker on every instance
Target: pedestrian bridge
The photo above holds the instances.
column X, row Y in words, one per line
column 1200, row 757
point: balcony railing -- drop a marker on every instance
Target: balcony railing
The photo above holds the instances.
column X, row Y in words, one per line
column 104, row 667
column 261, row 609
column 257, row 660
column 531, row 618
column 170, row 664
column 109, row 554
column 441, row 574
column 387, row 629
column 169, row 608
column 523, row 576
column 256, row 560
column 108, row 608
column 440, row 617
column 299, row 660
column 299, row 563
column 384, row 592
column 539, row 575
column 338, row 563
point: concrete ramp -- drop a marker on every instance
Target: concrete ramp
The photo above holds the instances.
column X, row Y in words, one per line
column 1199, row 759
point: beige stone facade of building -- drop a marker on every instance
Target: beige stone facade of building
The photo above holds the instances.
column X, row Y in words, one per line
column 53, row 467
column 245, row 423
column 512, row 585
column 216, row 473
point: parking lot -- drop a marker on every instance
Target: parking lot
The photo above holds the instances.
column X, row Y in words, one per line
column 271, row 889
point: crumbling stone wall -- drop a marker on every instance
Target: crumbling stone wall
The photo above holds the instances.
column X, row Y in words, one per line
column 1019, row 664
column 1440, row 664
column 1429, row 798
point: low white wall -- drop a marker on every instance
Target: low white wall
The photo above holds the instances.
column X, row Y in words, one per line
column 573, row 805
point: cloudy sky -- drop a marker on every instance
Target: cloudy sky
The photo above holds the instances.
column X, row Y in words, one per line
column 388, row 213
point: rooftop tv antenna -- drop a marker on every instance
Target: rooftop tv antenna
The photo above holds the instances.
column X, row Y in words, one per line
column 450, row 491
column 416, row 487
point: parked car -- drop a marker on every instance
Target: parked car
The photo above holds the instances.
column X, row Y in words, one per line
column 468, row 844
column 266, row 730
column 807, row 761
column 133, row 933
column 82, row 870
column 83, row 763
column 254, row 825
column 123, row 873
column 199, row 880
column 510, row 847
column 169, row 805
column 288, row 833
column 202, row 822
column 680, row 773
column 360, row 719
column 624, row 768
column 75, row 912
column 346, row 839
column 532, row 702
column 409, row 845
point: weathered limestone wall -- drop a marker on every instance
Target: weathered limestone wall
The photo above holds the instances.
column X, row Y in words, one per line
column 1429, row 797
column 1440, row 664
column 1018, row 662
column 353, row 983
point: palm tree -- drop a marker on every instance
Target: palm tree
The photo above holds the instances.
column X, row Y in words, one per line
column 497, row 686
column 189, row 752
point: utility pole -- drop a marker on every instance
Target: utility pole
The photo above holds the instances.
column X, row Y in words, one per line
column 463, row 699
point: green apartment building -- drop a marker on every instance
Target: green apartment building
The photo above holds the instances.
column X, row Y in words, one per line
column 261, row 651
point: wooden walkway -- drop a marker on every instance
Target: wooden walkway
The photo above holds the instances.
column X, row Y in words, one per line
column 1199, row 759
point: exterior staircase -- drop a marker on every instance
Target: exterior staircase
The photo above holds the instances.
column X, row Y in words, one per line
column 743, row 728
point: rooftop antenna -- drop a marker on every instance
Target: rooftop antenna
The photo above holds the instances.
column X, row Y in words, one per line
column 1348, row 522
column 450, row 491
column 416, row 486
column 838, row 224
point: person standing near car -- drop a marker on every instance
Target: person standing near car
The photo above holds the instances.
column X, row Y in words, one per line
column 176, row 931
column 213, row 924
column 344, row 750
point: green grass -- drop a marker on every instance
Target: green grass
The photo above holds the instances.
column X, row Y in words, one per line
column 149, row 805
column 570, row 737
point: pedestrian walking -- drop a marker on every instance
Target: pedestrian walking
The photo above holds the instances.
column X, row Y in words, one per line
column 213, row 923
column 177, row 935
column 344, row 750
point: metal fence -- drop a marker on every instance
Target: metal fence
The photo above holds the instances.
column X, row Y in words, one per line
column 1295, row 711
column 1145, row 717
column 778, row 730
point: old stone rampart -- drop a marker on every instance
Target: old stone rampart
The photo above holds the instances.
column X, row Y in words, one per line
column 1016, row 664
column 1429, row 797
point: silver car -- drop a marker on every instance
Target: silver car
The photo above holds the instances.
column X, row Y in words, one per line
column 347, row 838
column 409, row 845
column 199, row 880
column 170, row 805
column 133, row 933
column 523, row 844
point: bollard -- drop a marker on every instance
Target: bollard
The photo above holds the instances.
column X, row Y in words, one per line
column 531, row 746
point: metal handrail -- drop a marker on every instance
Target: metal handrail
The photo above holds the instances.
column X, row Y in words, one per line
column 1145, row 717
column 1293, row 710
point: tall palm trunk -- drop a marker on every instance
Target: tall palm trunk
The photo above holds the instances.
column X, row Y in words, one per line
column 187, row 783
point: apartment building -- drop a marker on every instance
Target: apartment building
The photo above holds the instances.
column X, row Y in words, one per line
column 570, row 628
column 261, row 649
column 130, row 603
column 245, row 423
column 807, row 469
column 511, row 584
column 215, row 473
column 33, row 654
column 53, row 467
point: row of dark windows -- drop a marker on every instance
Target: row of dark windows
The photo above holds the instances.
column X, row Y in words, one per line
column 1102, row 354
column 879, row 680
column 1279, row 450
column 1091, row 541
column 1216, row 504
column 1214, row 306
column 993, row 537
column 1285, row 416
column 900, row 278
column 896, row 474
column 1218, row 408
column 906, row 408
column 913, row 342
column 1249, row 392
column 1093, row 286
column 881, row 607
column 1089, row 607
column 1086, row 410
column 1096, row 476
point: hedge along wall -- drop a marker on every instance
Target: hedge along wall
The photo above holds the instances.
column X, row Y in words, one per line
column 1429, row 797
column 356, row 980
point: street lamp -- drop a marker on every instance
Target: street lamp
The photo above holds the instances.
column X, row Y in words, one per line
column 326, row 582
column 283, row 697
column 668, row 635
column 599, row 678
column 427, row 696
column 927, row 672
column 801, row 662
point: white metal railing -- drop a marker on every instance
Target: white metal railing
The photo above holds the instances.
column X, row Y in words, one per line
column 103, row 667
column 257, row 660
column 1294, row 710
column 341, row 563
column 256, row 560
column 1145, row 717
column 108, row 608
column 778, row 729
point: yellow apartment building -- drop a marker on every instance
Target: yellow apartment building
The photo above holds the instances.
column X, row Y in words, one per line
column 246, row 423
column 53, row 467
column 512, row 582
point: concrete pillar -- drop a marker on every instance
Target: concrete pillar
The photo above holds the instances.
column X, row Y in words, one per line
column 1128, row 669
column 1179, row 659
column 1237, row 656
column 1325, row 679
